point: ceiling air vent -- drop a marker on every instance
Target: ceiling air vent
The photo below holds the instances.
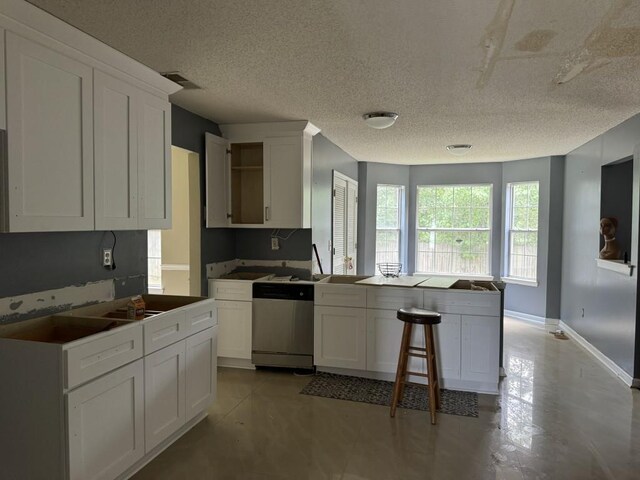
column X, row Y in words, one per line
column 180, row 80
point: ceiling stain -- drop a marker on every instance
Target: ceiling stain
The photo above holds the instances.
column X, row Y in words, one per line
column 604, row 41
column 535, row 41
column 493, row 41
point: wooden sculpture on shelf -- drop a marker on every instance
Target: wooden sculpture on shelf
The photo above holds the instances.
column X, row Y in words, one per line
column 611, row 250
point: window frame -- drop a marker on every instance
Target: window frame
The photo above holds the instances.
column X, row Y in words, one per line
column 484, row 276
column 401, row 210
column 509, row 212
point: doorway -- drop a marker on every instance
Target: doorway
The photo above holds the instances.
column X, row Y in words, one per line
column 174, row 254
column 344, row 225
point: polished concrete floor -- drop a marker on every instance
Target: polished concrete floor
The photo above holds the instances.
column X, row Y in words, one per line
column 560, row 415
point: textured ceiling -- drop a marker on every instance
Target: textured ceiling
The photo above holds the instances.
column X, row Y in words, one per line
column 515, row 78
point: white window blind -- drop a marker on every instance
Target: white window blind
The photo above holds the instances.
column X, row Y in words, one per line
column 388, row 223
column 522, row 230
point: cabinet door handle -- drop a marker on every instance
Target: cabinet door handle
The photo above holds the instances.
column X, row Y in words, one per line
column 266, row 213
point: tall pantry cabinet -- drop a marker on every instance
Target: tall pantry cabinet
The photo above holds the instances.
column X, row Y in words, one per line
column 83, row 145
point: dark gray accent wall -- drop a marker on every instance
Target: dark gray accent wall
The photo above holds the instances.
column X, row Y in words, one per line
column 456, row 174
column 34, row 262
column 255, row 244
column 327, row 157
column 599, row 304
column 187, row 131
column 371, row 175
column 616, row 193
column 527, row 299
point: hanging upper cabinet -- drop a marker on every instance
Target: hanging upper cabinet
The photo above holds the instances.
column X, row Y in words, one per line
column 83, row 145
column 49, row 164
column 260, row 176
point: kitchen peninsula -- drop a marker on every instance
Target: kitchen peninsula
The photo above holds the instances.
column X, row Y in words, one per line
column 356, row 331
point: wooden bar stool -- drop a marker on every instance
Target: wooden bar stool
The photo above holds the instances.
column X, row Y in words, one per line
column 417, row 316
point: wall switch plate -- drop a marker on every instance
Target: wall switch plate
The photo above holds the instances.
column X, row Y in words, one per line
column 274, row 244
column 107, row 257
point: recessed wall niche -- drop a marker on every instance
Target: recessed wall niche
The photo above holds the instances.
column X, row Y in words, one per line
column 616, row 200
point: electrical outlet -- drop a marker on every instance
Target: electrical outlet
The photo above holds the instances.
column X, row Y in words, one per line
column 274, row 244
column 107, row 258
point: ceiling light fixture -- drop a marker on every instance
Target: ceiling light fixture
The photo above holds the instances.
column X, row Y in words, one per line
column 459, row 149
column 380, row 120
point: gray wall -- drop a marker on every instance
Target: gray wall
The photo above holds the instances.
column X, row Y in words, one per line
column 187, row 131
column 554, row 259
column 327, row 157
column 255, row 244
column 607, row 298
column 529, row 299
column 372, row 174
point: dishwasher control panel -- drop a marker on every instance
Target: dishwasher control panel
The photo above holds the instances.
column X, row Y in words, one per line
column 283, row 291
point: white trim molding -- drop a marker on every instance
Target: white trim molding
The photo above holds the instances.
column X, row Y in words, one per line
column 601, row 357
column 550, row 324
column 617, row 266
column 520, row 281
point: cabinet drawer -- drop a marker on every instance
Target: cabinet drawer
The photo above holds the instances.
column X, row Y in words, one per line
column 462, row 302
column 340, row 296
column 164, row 330
column 231, row 290
column 201, row 316
column 97, row 357
column 393, row 298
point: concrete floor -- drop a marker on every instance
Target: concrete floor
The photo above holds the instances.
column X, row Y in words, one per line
column 560, row 415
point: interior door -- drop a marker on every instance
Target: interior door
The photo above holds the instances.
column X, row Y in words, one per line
column 345, row 224
column 217, row 181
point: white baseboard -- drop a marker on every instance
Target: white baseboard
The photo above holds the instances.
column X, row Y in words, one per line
column 601, row 357
column 549, row 323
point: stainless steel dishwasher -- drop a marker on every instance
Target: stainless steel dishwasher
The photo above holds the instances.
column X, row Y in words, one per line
column 282, row 325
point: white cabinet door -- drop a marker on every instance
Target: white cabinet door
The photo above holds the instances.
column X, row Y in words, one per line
column 106, row 424
column 340, row 337
column 116, row 162
column 384, row 333
column 283, row 196
column 447, row 340
column 480, row 348
column 164, row 390
column 154, row 162
column 202, row 373
column 217, row 181
column 50, row 139
column 234, row 334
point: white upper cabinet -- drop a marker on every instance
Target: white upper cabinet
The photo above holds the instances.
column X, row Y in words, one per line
column 49, row 169
column 83, row 145
column 154, row 162
column 116, row 164
column 259, row 176
column 282, row 194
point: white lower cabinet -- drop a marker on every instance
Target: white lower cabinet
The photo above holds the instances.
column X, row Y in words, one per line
column 164, row 373
column 234, row 322
column 448, row 348
column 340, row 337
column 201, row 371
column 480, row 348
column 106, row 424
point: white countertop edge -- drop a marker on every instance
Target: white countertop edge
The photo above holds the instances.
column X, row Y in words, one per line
column 617, row 266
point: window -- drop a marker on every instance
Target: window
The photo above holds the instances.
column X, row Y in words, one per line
column 454, row 229
column 522, row 230
column 388, row 223
column 154, row 258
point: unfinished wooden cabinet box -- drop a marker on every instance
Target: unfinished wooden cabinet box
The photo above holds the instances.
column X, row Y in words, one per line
column 259, row 175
